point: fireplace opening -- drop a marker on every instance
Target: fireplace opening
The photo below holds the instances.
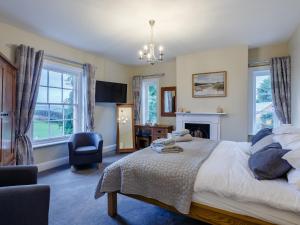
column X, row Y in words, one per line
column 198, row 130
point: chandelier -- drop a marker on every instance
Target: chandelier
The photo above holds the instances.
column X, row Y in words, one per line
column 148, row 53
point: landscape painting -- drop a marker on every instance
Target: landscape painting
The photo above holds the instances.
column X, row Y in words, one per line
column 209, row 84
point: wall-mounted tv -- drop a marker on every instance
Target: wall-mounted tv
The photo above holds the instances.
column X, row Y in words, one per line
column 111, row 92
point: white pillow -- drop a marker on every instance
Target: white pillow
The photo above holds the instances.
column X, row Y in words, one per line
column 298, row 185
column 267, row 140
column 293, row 177
column 286, row 129
column 286, row 139
column 293, row 158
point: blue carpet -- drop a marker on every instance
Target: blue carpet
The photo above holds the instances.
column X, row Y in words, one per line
column 72, row 201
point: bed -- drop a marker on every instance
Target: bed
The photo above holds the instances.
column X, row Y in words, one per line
column 225, row 191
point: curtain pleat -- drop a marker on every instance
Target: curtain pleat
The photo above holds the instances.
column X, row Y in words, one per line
column 281, row 87
column 29, row 65
column 137, row 98
column 89, row 85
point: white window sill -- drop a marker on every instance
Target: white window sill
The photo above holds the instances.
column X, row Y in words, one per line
column 50, row 143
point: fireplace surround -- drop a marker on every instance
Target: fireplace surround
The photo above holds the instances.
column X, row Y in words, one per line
column 210, row 124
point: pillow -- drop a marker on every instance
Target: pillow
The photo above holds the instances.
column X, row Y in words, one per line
column 286, row 139
column 268, row 164
column 261, row 134
column 293, row 158
column 293, row 177
column 267, row 140
column 286, row 129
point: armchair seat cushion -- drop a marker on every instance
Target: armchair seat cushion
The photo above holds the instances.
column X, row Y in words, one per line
column 86, row 150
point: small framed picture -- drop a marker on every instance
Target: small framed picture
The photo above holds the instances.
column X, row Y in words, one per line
column 212, row 84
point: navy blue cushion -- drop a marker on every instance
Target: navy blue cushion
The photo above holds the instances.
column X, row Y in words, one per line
column 268, row 164
column 86, row 150
column 261, row 134
column 274, row 145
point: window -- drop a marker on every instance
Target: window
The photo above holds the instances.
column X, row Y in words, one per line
column 150, row 100
column 58, row 104
column 263, row 115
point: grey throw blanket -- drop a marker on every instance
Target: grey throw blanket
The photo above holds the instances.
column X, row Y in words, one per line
column 168, row 178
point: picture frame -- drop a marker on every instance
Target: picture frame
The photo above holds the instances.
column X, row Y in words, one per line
column 212, row 84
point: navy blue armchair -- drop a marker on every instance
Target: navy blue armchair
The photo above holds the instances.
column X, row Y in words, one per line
column 22, row 201
column 85, row 148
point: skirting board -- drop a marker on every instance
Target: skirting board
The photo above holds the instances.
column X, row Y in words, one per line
column 65, row 160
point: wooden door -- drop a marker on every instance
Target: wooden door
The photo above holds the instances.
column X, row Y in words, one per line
column 7, row 114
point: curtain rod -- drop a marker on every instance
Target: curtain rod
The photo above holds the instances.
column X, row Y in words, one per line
column 259, row 63
column 62, row 60
column 154, row 75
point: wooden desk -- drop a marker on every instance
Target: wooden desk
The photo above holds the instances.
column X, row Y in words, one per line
column 147, row 134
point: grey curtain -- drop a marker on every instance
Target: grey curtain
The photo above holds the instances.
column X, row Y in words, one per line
column 29, row 65
column 281, row 87
column 137, row 97
column 89, row 84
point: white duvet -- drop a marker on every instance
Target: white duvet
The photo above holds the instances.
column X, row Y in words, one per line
column 226, row 173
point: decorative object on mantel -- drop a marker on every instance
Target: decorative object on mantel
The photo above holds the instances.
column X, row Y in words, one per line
column 148, row 52
column 220, row 109
column 213, row 84
column 180, row 109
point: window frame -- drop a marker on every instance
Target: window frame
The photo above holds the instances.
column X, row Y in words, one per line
column 252, row 101
column 78, row 116
column 146, row 83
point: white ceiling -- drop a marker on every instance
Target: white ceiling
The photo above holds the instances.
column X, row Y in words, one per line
column 118, row 28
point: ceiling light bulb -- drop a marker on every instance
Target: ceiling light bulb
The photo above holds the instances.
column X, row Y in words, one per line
column 148, row 55
column 146, row 47
column 160, row 48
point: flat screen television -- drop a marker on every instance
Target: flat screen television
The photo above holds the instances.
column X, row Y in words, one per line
column 111, row 92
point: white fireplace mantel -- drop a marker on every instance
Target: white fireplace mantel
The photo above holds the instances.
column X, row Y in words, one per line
column 213, row 119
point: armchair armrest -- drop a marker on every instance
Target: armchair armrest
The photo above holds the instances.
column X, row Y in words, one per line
column 98, row 141
column 18, row 175
column 23, row 205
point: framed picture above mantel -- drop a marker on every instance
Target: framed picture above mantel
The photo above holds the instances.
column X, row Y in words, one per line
column 213, row 84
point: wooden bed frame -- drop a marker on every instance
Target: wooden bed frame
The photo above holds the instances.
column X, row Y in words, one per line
column 198, row 211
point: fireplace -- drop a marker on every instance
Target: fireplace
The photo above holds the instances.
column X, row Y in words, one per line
column 210, row 124
column 198, row 130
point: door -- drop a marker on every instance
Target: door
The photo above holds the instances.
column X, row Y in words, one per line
column 7, row 115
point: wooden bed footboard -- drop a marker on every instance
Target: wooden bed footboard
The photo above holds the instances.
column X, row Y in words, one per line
column 198, row 211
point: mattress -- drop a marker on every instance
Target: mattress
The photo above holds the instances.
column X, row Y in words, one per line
column 256, row 210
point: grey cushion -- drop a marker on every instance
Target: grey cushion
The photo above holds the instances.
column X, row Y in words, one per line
column 86, row 150
column 259, row 145
column 267, row 164
column 261, row 134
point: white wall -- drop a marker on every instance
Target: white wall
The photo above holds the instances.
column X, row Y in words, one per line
column 105, row 70
column 294, row 49
column 169, row 69
column 233, row 60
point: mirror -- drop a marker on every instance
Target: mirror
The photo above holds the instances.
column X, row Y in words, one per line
column 125, row 128
column 168, row 101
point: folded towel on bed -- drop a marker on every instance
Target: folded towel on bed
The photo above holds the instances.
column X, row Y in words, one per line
column 180, row 132
column 184, row 138
column 164, row 141
column 166, row 148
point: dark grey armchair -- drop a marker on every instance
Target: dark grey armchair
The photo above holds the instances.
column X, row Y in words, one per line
column 22, row 201
column 85, row 148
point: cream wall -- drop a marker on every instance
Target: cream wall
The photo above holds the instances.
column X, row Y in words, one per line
column 233, row 60
column 105, row 70
column 294, row 49
column 169, row 79
column 265, row 53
